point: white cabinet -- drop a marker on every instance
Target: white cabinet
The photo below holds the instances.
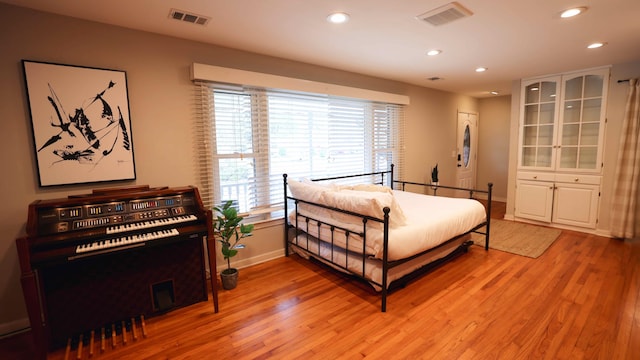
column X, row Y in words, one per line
column 581, row 121
column 562, row 122
column 538, row 123
column 576, row 205
column 562, row 127
column 534, row 196
column 558, row 198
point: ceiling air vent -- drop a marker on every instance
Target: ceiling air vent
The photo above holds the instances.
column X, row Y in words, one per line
column 445, row 14
column 188, row 17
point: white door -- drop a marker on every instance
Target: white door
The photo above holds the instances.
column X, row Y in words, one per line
column 534, row 200
column 576, row 204
column 467, row 146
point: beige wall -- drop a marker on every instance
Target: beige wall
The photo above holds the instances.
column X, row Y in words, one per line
column 431, row 133
column 493, row 137
column 161, row 103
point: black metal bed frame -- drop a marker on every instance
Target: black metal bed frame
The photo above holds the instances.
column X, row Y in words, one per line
column 386, row 264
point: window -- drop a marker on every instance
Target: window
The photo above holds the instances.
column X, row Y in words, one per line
column 250, row 137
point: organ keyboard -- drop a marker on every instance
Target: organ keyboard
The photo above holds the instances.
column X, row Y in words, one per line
column 118, row 243
column 114, row 254
column 150, row 224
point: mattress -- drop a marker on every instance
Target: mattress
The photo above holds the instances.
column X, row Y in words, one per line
column 428, row 221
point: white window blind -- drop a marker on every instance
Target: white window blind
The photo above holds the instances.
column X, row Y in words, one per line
column 250, row 137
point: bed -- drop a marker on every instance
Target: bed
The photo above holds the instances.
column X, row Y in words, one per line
column 369, row 225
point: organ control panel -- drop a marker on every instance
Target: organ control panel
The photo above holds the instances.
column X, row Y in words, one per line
column 108, row 221
column 53, row 220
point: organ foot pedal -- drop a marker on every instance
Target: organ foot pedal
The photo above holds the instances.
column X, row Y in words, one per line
column 108, row 338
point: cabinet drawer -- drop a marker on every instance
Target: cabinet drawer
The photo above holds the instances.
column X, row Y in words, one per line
column 578, row 179
column 536, row 176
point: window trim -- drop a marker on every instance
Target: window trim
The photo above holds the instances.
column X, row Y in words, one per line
column 212, row 73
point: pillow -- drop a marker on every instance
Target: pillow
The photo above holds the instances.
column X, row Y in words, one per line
column 366, row 187
column 307, row 191
column 368, row 203
column 397, row 217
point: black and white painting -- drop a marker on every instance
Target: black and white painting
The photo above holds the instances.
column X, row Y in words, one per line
column 81, row 124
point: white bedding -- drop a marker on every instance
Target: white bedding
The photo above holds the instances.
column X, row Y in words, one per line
column 431, row 220
column 372, row 267
column 428, row 221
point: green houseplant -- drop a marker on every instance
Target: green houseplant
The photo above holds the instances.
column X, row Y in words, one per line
column 229, row 230
column 434, row 175
column 434, row 178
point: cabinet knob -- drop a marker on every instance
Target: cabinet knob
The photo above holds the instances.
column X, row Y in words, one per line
column 576, row 179
column 535, row 177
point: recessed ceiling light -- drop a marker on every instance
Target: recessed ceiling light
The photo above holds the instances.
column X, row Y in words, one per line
column 433, row 52
column 494, row 92
column 595, row 45
column 481, row 69
column 573, row 12
column 338, row 18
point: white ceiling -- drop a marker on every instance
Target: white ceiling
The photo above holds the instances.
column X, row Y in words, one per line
column 384, row 38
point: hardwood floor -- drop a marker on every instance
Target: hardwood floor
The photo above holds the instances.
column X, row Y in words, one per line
column 579, row 300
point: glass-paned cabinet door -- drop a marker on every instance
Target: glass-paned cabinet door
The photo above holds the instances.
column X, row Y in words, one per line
column 537, row 133
column 582, row 120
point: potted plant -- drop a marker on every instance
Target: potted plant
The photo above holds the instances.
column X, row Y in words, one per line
column 434, row 175
column 229, row 230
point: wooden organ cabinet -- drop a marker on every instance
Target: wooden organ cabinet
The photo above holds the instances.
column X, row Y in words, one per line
column 114, row 255
column 562, row 126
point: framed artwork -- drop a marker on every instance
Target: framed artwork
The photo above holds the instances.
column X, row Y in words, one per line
column 80, row 122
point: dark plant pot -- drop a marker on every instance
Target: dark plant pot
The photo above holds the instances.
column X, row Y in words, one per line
column 229, row 278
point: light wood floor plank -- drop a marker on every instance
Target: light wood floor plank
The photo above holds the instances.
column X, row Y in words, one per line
column 579, row 300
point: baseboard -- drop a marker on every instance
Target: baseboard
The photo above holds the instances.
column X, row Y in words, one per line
column 483, row 196
column 239, row 264
column 14, row 327
column 605, row 233
column 598, row 232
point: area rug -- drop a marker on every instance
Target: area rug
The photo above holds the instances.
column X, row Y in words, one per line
column 518, row 238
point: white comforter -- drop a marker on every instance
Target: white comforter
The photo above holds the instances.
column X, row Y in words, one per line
column 429, row 221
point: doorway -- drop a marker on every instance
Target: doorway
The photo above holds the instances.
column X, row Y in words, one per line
column 467, row 148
